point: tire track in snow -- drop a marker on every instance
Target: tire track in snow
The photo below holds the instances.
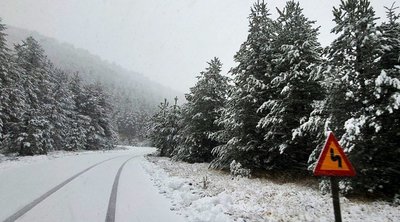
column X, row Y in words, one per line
column 112, row 203
column 31, row 205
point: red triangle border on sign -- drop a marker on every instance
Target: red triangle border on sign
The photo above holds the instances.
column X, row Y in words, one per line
column 345, row 173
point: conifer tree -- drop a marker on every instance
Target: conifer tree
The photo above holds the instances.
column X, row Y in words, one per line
column 371, row 134
column 80, row 122
column 204, row 103
column 173, row 127
column 12, row 98
column 382, row 128
column 293, row 89
column 34, row 136
column 158, row 123
column 243, row 140
column 164, row 128
column 100, row 134
column 353, row 57
column 62, row 113
column 127, row 125
column 131, row 121
column 142, row 125
column 360, row 104
column 3, row 81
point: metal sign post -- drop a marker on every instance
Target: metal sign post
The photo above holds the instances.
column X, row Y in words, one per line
column 335, row 198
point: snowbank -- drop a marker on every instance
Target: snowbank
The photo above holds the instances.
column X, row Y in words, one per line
column 201, row 194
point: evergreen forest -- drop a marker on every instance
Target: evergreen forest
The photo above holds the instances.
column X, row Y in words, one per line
column 286, row 92
column 56, row 97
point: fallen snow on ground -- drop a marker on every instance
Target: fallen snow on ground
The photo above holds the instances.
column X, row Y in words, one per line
column 13, row 160
column 86, row 197
column 201, row 194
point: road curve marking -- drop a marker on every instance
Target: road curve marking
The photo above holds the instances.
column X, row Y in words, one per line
column 31, row 205
column 112, row 203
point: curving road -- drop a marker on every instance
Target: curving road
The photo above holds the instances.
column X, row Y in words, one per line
column 109, row 186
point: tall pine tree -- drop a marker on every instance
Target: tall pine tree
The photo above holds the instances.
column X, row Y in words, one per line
column 80, row 122
column 243, row 140
column 4, row 80
column 361, row 100
column 372, row 134
column 34, row 136
column 164, row 129
column 100, row 134
column 204, row 103
column 12, row 98
column 293, row 89
column 62, row 113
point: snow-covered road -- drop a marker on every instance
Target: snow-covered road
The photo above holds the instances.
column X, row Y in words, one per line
column 93, row 186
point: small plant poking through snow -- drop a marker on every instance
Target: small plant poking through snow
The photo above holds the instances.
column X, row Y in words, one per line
column 205, row 182
column 396, row 200
column 236, row 169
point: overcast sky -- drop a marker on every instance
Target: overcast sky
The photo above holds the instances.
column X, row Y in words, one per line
column 168, row 41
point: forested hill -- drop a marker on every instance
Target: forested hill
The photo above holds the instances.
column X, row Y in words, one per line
column 92, row 68
column 134, row 96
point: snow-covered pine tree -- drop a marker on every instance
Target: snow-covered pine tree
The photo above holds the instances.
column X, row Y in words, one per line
column 293, row 89
column 34, row 136
column 165, row 127
column 63, row 112
column 105, row 117
column 80, row 122
column 352, row 58
column 244, row 142
column 4, row 57
column 100, row 134
column 372, row 134
column 341, row 65
column 204, row 103
column 158, row 123
column 142, row 126
column 382, row 129
column 12, row 99
column 126, row 122
column 355, row 109
column 131, row 120
column 173, row 127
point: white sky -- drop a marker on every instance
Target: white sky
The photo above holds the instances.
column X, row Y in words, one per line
column 168, row 41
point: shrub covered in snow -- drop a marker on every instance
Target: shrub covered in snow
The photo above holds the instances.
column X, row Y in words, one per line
column 236, row 169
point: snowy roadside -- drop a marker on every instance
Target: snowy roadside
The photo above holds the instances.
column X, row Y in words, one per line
column 246, row 200
column 18, row 161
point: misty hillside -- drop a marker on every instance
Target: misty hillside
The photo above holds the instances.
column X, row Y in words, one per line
column 133, row 96
column 143, row 93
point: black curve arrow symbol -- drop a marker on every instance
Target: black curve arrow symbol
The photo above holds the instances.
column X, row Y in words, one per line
column 335, row 158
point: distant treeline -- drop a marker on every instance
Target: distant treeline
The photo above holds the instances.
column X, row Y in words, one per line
column 287, row 92
column 134, row 97
column 43, row 108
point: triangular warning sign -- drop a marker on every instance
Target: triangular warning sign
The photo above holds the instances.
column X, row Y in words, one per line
column 332, row 161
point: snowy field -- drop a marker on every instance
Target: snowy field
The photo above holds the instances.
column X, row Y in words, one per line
column 243, row 199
